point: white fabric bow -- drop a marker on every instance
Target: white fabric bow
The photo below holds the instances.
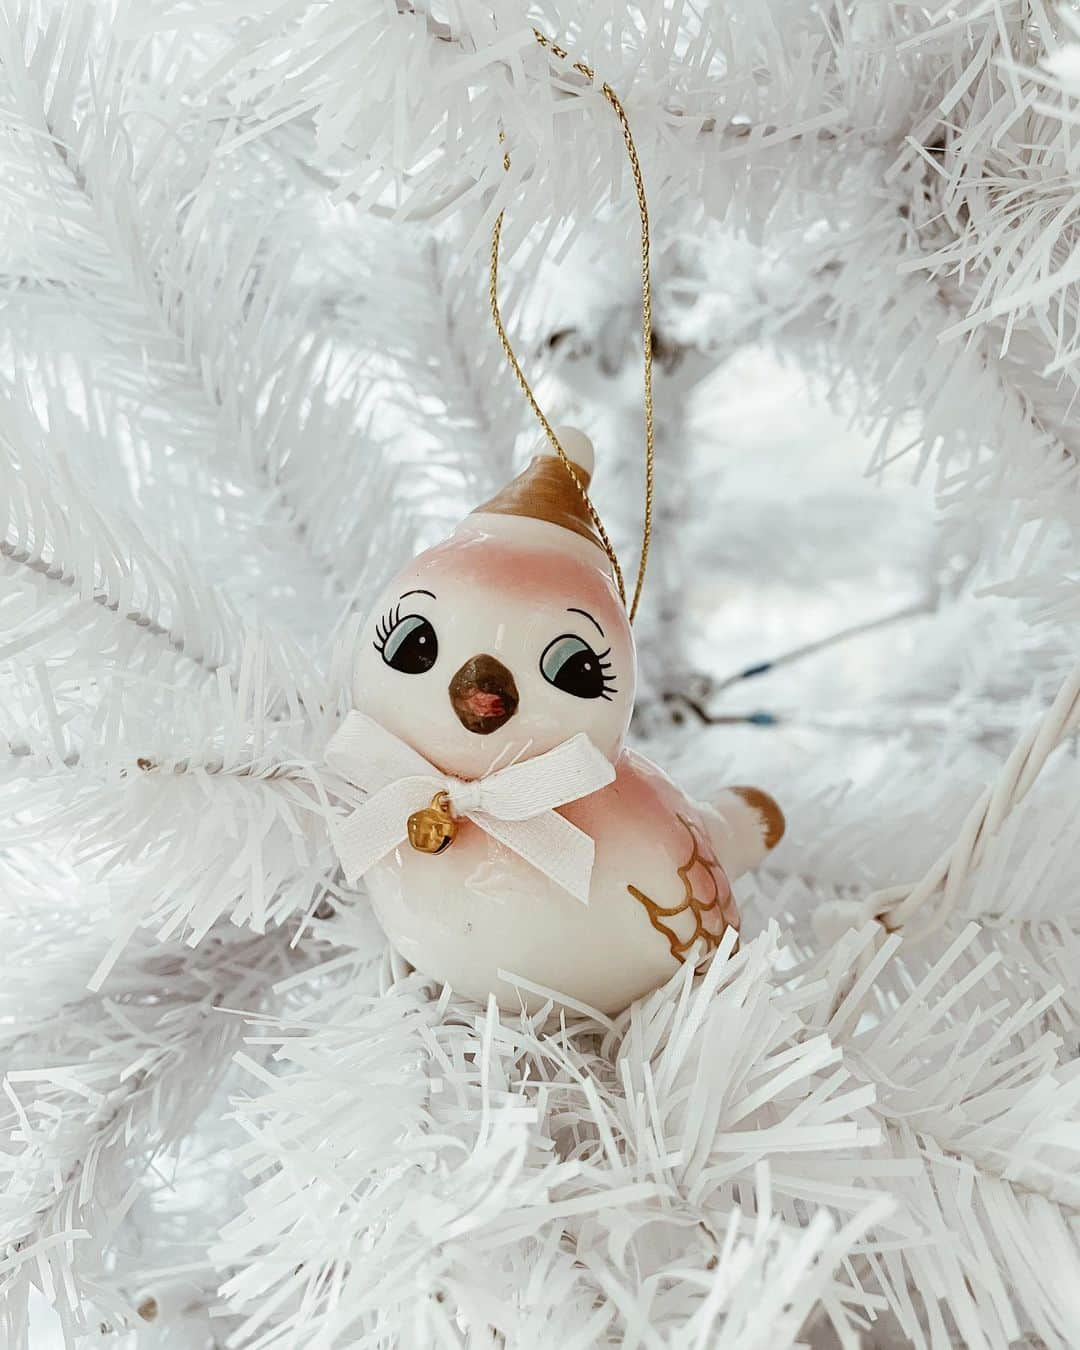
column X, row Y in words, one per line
column 514, row 805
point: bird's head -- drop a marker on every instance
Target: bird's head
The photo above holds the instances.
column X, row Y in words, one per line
column 507, row 638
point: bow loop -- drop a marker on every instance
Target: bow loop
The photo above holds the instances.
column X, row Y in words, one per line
column 515, row 805
column 568, row 772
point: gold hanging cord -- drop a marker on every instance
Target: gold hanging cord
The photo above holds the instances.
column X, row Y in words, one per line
column 646, row 335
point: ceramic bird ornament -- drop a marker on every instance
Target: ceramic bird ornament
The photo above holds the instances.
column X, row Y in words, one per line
column 503, row 829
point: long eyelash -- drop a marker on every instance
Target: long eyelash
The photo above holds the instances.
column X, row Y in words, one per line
column 609, row 680
column 386, row 626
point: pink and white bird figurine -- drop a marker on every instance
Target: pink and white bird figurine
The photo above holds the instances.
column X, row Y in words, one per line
column 505, row 832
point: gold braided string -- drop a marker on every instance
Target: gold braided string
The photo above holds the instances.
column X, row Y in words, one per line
column 646, row 336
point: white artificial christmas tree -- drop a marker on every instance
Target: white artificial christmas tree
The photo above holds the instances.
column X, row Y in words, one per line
column 247, row 368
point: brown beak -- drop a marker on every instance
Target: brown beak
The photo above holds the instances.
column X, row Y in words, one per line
column 483, row 694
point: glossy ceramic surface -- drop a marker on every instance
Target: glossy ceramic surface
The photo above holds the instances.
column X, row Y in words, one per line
column 499, row 644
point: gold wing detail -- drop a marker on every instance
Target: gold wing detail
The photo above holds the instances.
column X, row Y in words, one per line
column 698, row 906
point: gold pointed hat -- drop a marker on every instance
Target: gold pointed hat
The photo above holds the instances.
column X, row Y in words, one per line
column 545, row 491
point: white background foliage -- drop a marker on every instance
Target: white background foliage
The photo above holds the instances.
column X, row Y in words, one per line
column 246, row 368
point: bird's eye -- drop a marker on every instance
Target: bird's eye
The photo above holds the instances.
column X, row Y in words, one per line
column 570, row 664
column 407, row 643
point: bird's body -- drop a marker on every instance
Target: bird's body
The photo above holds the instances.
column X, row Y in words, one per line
column 478, row 912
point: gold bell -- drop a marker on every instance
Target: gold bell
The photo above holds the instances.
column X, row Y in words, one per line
column 433, row 829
